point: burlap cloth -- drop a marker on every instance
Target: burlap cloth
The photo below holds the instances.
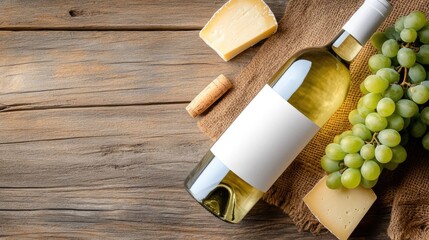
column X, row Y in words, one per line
column 314, row 23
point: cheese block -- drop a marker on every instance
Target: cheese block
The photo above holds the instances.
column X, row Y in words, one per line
column 238, row 25
column 340, row 210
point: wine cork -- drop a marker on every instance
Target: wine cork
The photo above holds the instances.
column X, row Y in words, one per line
column 209, row 95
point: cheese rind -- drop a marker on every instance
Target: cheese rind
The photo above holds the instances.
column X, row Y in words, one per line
column 238, row 25
column 340, row 210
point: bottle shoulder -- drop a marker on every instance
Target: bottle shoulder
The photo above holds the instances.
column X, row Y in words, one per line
column 323, row 54
column 314, row 81
column 316, row 59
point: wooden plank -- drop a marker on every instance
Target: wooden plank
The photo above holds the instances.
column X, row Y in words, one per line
column 87, row 146
column 66, row 69
column 117, row 172
column 105, row 172
column 105, row 14
column 189, row 221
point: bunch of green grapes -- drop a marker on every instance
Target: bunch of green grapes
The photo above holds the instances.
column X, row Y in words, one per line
column 394, row 106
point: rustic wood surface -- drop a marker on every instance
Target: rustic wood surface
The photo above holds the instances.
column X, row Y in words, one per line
column 95, row 141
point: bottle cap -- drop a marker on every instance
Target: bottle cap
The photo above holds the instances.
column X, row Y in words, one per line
column 367, row 19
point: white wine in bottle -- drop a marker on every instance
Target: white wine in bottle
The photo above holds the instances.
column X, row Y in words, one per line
column 280, row 121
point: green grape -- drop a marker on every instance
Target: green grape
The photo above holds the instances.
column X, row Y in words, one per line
column 391, row 166
column 377, row 39
column 424, row 35
column 389, row 137
column 346, row 133
column 381, row 165
column 355, row 117
column 371, row 100
column 389, row 74
column 383, row 154
column 425, row 141
column 363, row 111
column 409, row 93
column 418, row 128
column 363, row 89
column 376, row 84
column 394, row 61
column 408, row 35
column 426, row 82
column 333, row 181
column 351, row 144
column 386, row 107
column 334, row 152
column 423, row 55
column 367, row 183
column 377, row 62
column 396, row 122
column 360, row 102
column 330, row 165
column 417, row 73
column 370, row 170
column 337, row 139
column 406, row 108
column 419, row 94
column 399, row 154
column 353, row 160
column 361, row 131
column 407, row 122
column 391, row 33
column 351, row 178
column 399, row 24
column 367, row 151
column 406, row 57
column 375, row 122
column 424, row 115
column 415, row 20
column 394, row 92
column 390, row 48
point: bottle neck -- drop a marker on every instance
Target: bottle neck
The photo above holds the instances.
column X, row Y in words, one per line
column 345, row 46
column 359, row 28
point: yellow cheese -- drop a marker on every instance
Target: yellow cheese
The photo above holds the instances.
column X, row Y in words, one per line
column 238, row 25
column 341, row 210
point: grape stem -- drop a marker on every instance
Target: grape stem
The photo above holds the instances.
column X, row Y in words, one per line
column 404, row 79
column 399, row 69
column 374, row 139
column 415, row 49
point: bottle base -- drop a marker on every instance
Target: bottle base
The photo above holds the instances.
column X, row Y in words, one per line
column 221, row 191
column 211, row 210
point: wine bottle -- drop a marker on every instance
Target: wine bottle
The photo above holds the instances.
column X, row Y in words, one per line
column 280, row 121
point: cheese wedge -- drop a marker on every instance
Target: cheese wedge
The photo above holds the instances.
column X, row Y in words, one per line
column 238, row 25
column 340, row 210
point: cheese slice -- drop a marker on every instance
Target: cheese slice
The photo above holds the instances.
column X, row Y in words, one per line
column 340, row 210
column 238, row 25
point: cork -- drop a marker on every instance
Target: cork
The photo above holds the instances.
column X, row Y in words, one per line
column 209, row 95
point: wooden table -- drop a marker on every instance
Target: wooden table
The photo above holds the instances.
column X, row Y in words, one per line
column 95, row 141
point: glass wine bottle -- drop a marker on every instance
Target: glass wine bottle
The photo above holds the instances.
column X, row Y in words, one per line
column 280, row 121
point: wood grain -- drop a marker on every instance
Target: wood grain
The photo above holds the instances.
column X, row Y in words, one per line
column 79, row 68
column 119, row 15
column 113, row 172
